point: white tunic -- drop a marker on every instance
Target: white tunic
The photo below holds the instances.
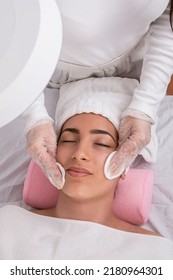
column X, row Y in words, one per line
column 97, row 32
column 24, row 235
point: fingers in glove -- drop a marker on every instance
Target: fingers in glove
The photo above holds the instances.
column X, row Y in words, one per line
column 42, row 136
column 41, row 146
column 134, row 135
column 109, row 172
column 138, row 130
column 123, row 158
column 53, row 170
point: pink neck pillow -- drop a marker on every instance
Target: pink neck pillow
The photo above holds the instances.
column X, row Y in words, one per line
column 131, row 203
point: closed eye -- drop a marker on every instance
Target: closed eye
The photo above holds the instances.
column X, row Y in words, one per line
column 103, row 145
column 68, row 141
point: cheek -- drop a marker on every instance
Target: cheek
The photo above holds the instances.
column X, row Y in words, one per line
column 61, row 155
column 100, row 161
column 102, row 157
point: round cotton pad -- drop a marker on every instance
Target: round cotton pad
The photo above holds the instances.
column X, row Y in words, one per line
column 60, row 186
column 61, row 182
column 107, row 172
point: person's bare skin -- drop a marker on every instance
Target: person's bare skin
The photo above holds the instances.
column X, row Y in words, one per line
column 85, row 142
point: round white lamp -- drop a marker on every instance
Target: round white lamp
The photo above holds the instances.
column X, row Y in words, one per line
column 31, row 37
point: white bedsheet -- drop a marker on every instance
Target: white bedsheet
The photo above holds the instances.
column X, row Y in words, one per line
column 14, row 162
column 53, row 238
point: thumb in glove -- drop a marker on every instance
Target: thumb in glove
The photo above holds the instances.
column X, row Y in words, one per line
column 134, row 135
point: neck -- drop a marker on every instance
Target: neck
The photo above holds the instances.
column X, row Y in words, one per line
column 98, row 211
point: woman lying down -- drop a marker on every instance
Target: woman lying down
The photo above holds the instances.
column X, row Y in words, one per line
column 83, row 225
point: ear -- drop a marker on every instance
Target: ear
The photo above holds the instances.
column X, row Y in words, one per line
column 123, row 175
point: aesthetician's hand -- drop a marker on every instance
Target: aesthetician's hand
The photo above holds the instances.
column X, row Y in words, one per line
column 134, row 135
column 41, row 146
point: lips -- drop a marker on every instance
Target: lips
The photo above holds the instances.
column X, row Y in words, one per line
column 78, row 171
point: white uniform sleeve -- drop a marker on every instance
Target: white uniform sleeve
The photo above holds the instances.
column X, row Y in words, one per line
column 157, row 68
column 36, row 114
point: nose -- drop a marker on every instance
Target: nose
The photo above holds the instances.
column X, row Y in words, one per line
column 81, row 152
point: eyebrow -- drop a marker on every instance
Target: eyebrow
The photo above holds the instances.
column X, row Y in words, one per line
column 93, row 131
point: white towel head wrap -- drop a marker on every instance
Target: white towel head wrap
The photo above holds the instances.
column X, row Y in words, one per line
column 108, row 97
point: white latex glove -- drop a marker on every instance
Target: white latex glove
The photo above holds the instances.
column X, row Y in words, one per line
column 41, row 146
column 134, row 135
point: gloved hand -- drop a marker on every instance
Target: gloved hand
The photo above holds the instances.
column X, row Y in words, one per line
column 134, row 135
column 41, row 146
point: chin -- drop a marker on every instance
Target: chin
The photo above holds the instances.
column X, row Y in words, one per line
column 76, row 191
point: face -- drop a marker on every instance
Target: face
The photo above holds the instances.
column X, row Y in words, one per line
column 85, row 142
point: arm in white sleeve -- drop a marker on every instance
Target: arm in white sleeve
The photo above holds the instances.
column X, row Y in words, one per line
column 36, row 114
column 157, row 68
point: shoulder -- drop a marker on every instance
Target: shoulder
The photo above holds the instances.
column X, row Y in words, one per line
column 127, row 227
column 140, row 230
column 145, row 231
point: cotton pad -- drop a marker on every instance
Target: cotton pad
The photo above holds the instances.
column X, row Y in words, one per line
column 107, row 172
column 62, row 181
column 62, row 170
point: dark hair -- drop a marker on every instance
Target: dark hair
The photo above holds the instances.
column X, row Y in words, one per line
column 171, row 14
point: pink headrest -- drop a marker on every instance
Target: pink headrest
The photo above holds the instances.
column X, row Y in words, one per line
column 131, row 203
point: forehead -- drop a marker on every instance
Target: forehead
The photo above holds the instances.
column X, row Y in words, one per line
column 89, row 121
